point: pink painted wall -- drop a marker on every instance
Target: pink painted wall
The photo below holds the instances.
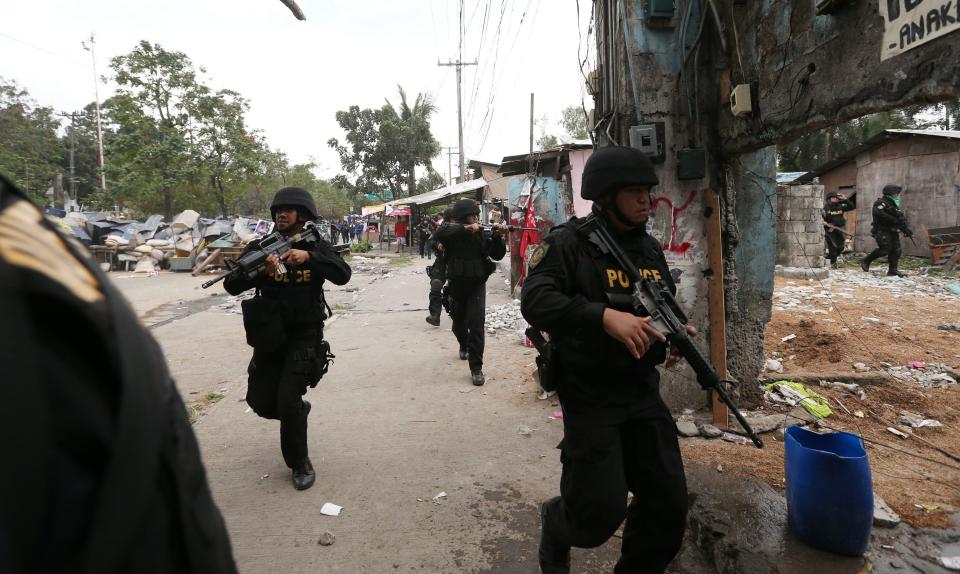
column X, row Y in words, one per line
column 581, row 207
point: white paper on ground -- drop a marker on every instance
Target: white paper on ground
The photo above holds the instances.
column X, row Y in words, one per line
column 330, row 509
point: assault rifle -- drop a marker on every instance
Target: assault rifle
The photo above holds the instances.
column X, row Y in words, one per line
column 665, row 315
column 251, row 263
column 835, row 228
column 489, row 228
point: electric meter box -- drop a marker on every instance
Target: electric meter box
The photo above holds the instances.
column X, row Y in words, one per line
column 740, row 102
column 691, row 163
column 649, row 138
column 662, row 8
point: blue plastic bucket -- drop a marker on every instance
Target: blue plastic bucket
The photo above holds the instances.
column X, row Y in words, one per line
column 829, row 490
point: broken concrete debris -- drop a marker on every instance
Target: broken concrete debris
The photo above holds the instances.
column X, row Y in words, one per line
column 326, row 538
column 883, row 515
column 506, row 318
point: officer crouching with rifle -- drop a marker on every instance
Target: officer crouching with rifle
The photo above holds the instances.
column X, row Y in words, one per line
column 619, row 435
column 284, row 325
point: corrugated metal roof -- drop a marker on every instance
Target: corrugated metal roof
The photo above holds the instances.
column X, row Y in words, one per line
column 788, row 176
column 441, row 193
column 870, row 143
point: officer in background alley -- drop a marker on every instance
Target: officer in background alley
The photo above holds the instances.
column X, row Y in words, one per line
column 469, row 251
column 284, row 324
column 835, row 223
column 889, row 221
column 618, row 435
column 103, row 470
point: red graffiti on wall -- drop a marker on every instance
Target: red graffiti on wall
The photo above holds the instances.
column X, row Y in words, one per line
column 673, row 247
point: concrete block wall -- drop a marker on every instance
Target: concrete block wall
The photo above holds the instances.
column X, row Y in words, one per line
column 799, row 228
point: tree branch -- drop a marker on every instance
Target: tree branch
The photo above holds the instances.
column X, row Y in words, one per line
column 292, row 5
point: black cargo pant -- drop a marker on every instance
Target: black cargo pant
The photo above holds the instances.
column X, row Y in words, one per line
column 835, row 244
column 888, row 243
column 276, row 383
column 606, row 453
column 438, row 276
column 468, row 300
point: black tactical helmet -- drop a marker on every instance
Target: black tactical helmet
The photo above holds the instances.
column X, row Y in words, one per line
column 294, row 197
column 612, row 168
column 464, row 207
column 892, row 189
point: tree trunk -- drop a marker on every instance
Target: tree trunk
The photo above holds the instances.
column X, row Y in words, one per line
column 168, row 204
column 412, row 180
column 221, row 199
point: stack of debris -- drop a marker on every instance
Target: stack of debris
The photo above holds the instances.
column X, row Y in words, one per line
column 506, row 318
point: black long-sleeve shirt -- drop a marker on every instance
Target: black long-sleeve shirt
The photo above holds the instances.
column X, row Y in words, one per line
column 569, row 286
column 887, row 216
column 468, row 253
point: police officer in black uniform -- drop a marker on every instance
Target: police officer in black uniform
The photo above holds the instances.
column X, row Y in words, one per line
column 889, row 221
column 618, row 436
column 837, row 204
column 438, row 276
column 469, row 251
column 103, row 472
column 280, row 371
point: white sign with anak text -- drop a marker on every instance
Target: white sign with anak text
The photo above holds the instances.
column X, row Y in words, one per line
column 912, row 23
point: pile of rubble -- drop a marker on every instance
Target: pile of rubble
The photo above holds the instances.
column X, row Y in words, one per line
column 821, row 296
column 152, row 244
column 506, row 318
column 927, row 375
column 374, row 265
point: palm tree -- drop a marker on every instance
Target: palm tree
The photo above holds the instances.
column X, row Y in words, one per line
column 414, row 124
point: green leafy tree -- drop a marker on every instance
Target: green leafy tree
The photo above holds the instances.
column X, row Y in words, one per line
column 383, row 147
column 430, row 181
column 86, row 154
column 151, row 156
column 574, row 123
column 30, row 148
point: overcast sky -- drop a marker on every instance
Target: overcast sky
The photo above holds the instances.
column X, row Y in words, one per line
column 298, row 74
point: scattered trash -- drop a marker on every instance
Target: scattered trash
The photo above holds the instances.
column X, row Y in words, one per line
column 265, row 476
column 917, row 364
column 860, row 367
column 440, row 497
column 899, row 433
column 773, row 365
column 886, row 546
column 524, row 430
column 546, row 395
column 929, row 506
column 858, row 414
column 916, row 421
column 719, row 468
column 789, row 337
column 247, row 411
column 327, row 539
column 954, row 288
column 870, row 319
column 330, row 509
column 950, row 327
column 839, row 385
column 795, row 393
column 558, row 414
column 950, row 562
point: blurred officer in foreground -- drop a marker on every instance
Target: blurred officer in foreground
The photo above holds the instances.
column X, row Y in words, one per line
column 618, row 435
column 284, row 324
column 103, row 473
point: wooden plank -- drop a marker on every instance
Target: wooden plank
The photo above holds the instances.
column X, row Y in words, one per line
column 715, row 304
column 203, row 265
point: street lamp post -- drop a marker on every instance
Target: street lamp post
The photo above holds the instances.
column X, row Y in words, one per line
column 96, row 93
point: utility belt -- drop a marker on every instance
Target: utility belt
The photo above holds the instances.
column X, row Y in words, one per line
column 473, row 268
column 547, row 371
column 268, row 317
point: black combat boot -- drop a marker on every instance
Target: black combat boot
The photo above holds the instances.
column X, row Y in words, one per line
column 478, row 378
column 554, row 557
column 463, row 354
column 865, row 264
column 434, row 320
column 304, row 476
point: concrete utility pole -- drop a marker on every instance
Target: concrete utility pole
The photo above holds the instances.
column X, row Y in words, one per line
column 96, row 94
column 459, row 66
column 531, row 122
column 450, row 164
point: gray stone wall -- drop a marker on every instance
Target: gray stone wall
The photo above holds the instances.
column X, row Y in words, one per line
column 799, row 227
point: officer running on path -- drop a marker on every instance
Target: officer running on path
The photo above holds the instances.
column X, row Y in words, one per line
column 284, row 324
column 468, row 253
column 619, row 435
column 889, row 222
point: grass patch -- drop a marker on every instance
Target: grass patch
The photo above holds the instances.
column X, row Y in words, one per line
column 341, row 307
column 401, row 261
column 195, row 409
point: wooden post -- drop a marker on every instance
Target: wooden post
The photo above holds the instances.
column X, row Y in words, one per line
column 718, row 323
column 203, row 265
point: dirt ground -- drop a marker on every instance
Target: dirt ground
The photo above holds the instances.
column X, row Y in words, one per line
column 859, row 318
